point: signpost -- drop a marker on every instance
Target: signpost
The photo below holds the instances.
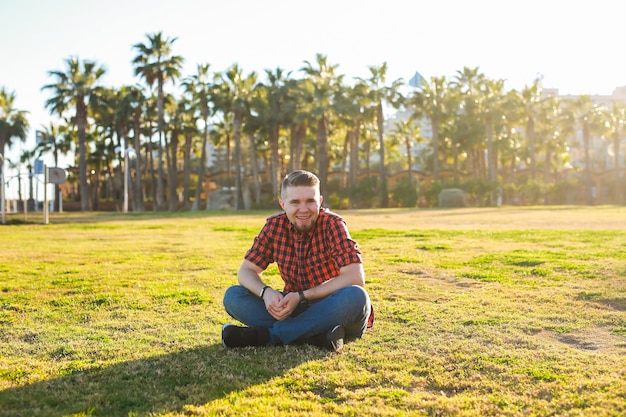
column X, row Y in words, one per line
column 51, row 175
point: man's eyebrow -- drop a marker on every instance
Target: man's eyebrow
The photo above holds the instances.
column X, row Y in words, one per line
column 297, row 200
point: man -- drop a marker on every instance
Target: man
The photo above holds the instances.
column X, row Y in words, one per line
column 323, row 301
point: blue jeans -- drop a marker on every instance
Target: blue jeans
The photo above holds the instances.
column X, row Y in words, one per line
column 349, row 307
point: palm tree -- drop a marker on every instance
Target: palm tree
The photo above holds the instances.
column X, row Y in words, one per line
column 551, row 132
column 353, row 107
column 133, row 103
column 221, row 136
column 432, row 101
column 28, row 157
column 234, row 95
column 172, row 129
column 13, row 124
column 407, row 132
column 491, row 97
column 200, row 88
column 529, row 100
column 323, row 83
column 147, row 129
column 270, row 105
column 156, row 64
column 16, row 165
column 100, row 158
column 467, row 84
column 76, row 88
column 585, row 113
column 111, row 127
column 186, row 125
column 616, row 122
column 379, row 95
column 297, row 119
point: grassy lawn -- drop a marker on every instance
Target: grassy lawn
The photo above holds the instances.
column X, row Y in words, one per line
column 480, row 312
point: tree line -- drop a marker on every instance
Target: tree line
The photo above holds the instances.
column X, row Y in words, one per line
column 482, row 136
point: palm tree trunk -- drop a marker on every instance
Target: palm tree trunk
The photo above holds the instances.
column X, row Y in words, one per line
column 322, row 154
column 408, row 160
column 57, row 187
column 160, row 194
column 150, row 161
column 274, row 159
column 344, row 158
column 237, row 156
column 138, row 201
column 619, row 185
column 384, row 192
column 354, row 156
column 530, row 132
column 590, row 189
column 435, row 145
column 172, row 172
column 187, row 171
column 492, row 162
column 202, row 168
column 255, row 172
column 297, row 139
column 81, row 122
column 455, row 164
column 368, row 156
column 229, row 162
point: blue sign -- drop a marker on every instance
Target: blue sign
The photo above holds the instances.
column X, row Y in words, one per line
column 38, row 166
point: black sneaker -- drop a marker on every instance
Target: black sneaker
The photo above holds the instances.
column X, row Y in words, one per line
column 237, row 336
column 332, row 340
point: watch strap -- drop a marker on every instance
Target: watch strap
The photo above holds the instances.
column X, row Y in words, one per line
column 263, row 291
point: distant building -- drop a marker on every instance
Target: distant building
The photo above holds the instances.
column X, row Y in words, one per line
column 618, row 96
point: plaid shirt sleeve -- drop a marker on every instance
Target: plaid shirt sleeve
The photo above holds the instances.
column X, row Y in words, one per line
column 345, row 250
column 261, row 253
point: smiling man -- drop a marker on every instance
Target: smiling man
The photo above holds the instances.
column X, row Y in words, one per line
column 323, row 301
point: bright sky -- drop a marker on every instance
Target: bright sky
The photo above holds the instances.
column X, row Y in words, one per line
column 577, row 45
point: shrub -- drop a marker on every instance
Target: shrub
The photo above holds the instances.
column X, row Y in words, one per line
column 404, row 193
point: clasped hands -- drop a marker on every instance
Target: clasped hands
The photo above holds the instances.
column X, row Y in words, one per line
column 280, row 306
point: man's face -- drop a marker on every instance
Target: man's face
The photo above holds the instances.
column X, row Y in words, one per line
column 302, row 205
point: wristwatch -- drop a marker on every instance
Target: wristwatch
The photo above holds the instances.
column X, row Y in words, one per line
column 263, row 291
column 301, row 294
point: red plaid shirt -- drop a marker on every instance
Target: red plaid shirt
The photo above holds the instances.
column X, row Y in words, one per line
column 305, row 260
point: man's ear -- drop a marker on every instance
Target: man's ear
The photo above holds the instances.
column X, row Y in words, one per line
column 281, row 203
column 321, row 200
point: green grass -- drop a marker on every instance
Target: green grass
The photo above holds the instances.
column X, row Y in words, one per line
column 494, row 312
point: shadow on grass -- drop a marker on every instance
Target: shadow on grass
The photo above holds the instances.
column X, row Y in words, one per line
column 153, row 385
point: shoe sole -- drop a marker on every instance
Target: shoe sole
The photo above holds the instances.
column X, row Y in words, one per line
column 335, row 338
